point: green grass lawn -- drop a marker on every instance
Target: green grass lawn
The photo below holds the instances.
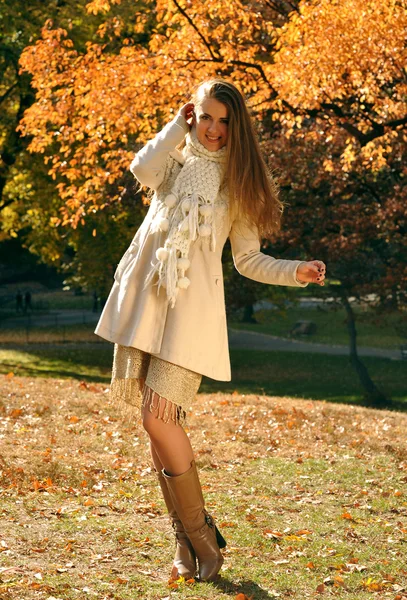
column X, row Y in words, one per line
column 303, row 375
column 331, row 326
column 52, row 300
column 80, row 332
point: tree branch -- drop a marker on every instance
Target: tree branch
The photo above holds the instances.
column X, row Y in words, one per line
column 378, row 129
column 6, row 203
column 190, row 21
column 281, row 10
column 8, row 92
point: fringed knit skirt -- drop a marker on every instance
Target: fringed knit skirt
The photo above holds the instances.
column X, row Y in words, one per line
column 141, row 380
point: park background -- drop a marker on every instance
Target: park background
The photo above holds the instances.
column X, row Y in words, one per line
column 315, row 413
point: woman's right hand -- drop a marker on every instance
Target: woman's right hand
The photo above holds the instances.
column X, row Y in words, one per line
column 187, row 111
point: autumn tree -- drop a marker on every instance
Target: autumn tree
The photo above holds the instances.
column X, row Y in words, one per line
column 29, row 199
column 326, row 84
column 346, row 134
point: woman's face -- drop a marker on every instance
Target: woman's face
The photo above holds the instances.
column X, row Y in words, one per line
column 211, row 121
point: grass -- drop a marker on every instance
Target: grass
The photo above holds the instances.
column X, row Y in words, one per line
column 303, row 375
column 80, row 332
column 310, row 375
column 310, row 496
column 50, row 300
column 376, row 332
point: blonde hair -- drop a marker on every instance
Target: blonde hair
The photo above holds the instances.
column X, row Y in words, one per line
column 253, row 192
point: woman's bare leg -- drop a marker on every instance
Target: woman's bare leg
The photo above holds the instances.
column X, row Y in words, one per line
column 171, row 446
column 155, row 458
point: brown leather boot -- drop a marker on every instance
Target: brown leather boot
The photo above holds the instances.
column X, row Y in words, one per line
column 186, row 493
column 184, row 560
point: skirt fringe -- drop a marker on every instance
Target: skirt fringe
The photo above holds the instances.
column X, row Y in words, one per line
column 132, row 396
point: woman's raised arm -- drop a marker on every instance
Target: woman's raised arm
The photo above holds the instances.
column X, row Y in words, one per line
column 148, row 166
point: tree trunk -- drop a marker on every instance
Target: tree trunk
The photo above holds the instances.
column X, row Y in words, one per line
column 248, row 314
column 373, row 396
column 14, row 143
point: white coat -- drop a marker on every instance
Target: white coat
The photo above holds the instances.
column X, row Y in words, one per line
column 193, row 334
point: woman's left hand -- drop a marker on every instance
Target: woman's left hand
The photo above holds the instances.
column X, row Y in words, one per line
column 312, row 271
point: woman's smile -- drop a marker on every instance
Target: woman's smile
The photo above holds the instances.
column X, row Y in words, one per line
column 213, row 139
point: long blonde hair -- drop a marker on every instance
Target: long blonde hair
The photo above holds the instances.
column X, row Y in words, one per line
column 253, row 192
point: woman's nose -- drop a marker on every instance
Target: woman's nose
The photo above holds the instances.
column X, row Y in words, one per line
column 213, row 129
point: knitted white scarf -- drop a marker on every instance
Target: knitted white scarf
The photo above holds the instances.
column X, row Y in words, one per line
column 186, row 213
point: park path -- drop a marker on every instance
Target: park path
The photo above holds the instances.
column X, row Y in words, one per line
column 264, row 341
column 237, row 337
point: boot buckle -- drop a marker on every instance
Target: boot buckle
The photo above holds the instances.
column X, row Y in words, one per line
column 209, row 520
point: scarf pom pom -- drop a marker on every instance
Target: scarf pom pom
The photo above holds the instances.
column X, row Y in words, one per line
column 205, row 230
column 183, row 263
column 170, row 200
column 205, row 210
column 164, row 224
column 183, row 283
column 161, row 254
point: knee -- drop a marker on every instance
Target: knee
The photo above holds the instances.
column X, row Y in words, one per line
column 150, row 421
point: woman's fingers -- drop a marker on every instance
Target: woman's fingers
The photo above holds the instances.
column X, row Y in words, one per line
column 313, row 267
column 317, row 268
column 318, row 264
column 186, row 110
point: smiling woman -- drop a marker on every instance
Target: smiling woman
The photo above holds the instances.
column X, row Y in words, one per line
column 211, row 121
column 166, row 310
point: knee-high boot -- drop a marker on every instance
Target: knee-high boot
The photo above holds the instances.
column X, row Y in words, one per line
column 206, row 540
column 184, row 559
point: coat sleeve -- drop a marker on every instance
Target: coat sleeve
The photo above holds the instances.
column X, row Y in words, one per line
column 148, row 166
column 256, row 265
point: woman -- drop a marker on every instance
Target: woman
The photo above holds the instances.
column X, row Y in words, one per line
column 166, row 310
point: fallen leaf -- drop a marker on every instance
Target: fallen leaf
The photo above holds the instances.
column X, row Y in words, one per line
column 272, row 534
column 304, row 532
column 16, row 412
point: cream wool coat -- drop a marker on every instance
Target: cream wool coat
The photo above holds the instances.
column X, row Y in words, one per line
column 193, row 334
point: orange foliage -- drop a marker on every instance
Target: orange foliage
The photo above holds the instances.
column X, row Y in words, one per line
column 342, row 68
